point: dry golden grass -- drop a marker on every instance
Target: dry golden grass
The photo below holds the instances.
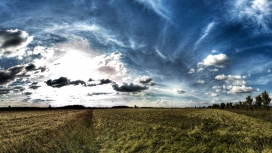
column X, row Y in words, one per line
column 135, row 130
column 38, row 131
column 180, row 130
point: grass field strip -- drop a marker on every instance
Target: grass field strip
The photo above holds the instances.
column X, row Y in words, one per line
column 136, row 130
column 17, row 126
column 180, row 130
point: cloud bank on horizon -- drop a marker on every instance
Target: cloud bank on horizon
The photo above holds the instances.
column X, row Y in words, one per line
column 145, row 53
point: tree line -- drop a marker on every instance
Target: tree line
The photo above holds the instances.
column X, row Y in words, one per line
column 262, row 101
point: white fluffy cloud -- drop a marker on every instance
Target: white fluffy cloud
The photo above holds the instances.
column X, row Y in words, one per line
column 111, row 64
column 240, row 89
column 213, row 70
column 217, row 88
column 231, row 79
column 214, row 95
column 219, row 60
column 178, row 91
column 191, row 71
column 201, row 81
column 233, row 89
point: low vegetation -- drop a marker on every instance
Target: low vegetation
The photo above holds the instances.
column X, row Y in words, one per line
column 46, row 131
column 180, row 130
column 136, row 130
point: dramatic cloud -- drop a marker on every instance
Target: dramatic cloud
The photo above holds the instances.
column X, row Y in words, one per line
column 110, row 65
column 178, row 91
column 63, row 81
column 105, row 81
column 10, row 74
column 27, row 93
column 4, row 91
column 34, row 85
column 11, row 40
column 30, row 67
column 77, row 82
column 60, row 82
column 219, row 60
column 97, row 93
column 231, row 79
column 201, row 81
column 125, row 87
column 145, row 80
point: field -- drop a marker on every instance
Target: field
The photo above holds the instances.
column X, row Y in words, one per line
column 46, row 131
column 136, row 130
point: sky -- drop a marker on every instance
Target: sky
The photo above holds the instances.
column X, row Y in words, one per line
column 158, row 53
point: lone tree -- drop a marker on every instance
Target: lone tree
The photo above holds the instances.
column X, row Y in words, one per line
column 259, row 101
column 266, row 99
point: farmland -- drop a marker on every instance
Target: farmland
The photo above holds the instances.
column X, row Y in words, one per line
column 181, row 130
column 46, row 131
column 136, row 130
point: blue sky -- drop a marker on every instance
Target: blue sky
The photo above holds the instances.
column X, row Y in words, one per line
column 174, row 53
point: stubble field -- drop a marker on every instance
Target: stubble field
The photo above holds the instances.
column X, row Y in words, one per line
column 136, row 130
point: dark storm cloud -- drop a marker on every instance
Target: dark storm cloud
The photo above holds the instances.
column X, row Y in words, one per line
column 18, row 88
column 10, row 74
column 27, row 93
column 33, row 86
column 4, row 91
column 125, row 87
column 60, row 82
column 97, row 93
column 105, row 81
column 77, row 82
column 145, row 80
column 30, row 67
column 63, row 81
column 7, row 90
column 12, row 39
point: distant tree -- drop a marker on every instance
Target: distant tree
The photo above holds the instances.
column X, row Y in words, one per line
column 222, row 105
column 215, row 106
column 227, row 106
column 240, row 105
column 230, row 105
column 265, row 98
column 236, row 106
column 258, row 101
column 249, row 100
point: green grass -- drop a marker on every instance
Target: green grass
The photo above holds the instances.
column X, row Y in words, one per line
column 142, row 130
